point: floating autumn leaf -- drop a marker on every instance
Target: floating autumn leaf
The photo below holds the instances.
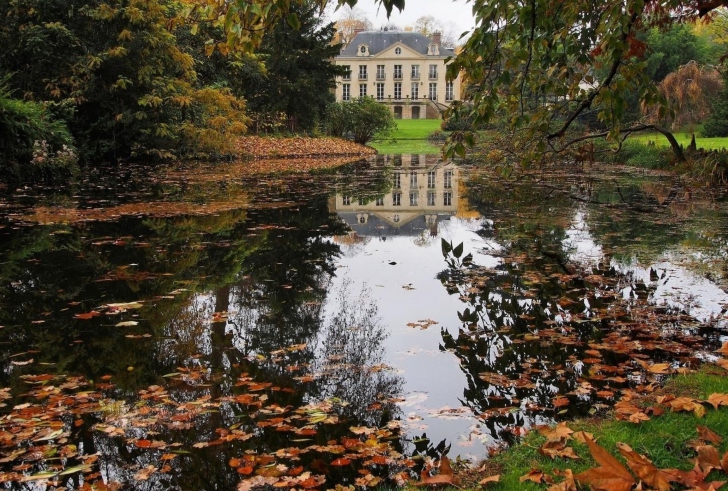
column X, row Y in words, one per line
column 723, row 349
column 127, row 324
column 655, row 368
column 341, row 462
column 144, row 473
column 646, row 470
column 87, row 315
column 611, row 475
column 709, row 435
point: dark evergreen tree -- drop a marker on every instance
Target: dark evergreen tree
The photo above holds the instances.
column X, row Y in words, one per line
column 717, row 123
column 299, row 70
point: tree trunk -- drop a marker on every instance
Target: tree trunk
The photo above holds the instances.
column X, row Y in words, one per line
column 676, row 148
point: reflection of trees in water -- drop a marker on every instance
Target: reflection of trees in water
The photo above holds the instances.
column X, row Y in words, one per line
column 538, row 340
column 350, row 365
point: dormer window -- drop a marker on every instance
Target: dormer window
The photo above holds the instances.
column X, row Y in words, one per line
column 397, row 51
column 433, row 49
column 363, row 50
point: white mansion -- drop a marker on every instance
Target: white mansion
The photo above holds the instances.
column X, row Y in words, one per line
column 404, row 70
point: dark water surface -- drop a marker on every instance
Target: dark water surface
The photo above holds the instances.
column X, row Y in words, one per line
column 200, row 330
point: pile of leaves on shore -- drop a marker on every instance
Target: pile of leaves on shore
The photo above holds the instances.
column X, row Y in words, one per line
column 298, row 147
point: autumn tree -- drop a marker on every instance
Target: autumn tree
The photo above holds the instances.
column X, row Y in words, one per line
column 133, row 88
column 689, row 91
column 428, row 25
column 350, row 21
column 547, row 65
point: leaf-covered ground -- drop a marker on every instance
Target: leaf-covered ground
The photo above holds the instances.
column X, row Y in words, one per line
column 296, row 147
column 671, row 438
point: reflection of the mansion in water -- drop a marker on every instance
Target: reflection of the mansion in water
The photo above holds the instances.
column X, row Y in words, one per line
column 423, row 193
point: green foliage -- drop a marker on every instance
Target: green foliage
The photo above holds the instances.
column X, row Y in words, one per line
column 132, row 84
column 32, row 141
column 299, row 73
column 672, row 48
column 362, row 119
column 545, row 65
column 717, row 124
column 637, row 154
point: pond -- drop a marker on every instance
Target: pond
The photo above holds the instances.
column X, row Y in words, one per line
column 190, row 328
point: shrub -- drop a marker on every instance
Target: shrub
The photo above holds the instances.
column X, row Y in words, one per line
column 33, row 143
column 360, row 119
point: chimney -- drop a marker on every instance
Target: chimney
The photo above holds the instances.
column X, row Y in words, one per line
column 436, row 36
column 357, row 30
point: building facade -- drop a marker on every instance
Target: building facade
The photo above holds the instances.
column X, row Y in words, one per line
column 424, row 193
column 404, row 70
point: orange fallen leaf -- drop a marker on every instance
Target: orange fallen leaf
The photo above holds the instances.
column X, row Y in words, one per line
column 709, row 435
column 568, row 484
column 717, row 399
column 555, row 433
column 708, row 458
column 610, row 475
column 489, row 479
column 535, row 475
column 341, row 461
column 646, row 470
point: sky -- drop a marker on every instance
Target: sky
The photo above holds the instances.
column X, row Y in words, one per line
column 458, row 12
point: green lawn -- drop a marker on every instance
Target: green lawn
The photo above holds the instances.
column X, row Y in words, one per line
column 667, row 440
column 684, row 139
column 410, row 137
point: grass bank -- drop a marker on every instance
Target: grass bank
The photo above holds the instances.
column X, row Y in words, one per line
column 669, row 439
column 410, row 137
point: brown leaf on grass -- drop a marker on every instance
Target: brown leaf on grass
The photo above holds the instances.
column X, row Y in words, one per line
column 687, row 404
column 708, row 458
column 722, row 362
column 557, row 449
column 724, row 462
column 535, row 475
column 568, row 484
column 555, row 433
column 489, row 479
column 695, row 479
column 626, row 411
column 581, row 436
column 611, row 475
column 709, row 435
column 724, row 349
column 717, row 399
column 645, row 470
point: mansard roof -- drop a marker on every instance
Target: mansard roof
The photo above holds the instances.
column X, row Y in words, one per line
column 378, row 41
